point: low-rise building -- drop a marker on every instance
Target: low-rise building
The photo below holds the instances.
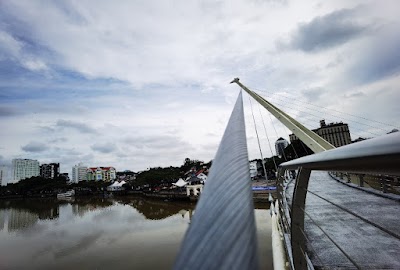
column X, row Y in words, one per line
column 106, row 174
column 253, row 169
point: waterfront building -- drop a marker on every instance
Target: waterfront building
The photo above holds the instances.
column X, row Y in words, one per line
column 337, row 134
column 253, row 169
column 280, row 146
column 106, row 174
column 126, row 175
column 79, row 173
column 25, row 168
column 3, row 175
column 194, row 187
column 50, row 171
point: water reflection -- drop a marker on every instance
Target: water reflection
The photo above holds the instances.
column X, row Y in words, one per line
column 157, row 209
column 22, row 214
column 94, row 233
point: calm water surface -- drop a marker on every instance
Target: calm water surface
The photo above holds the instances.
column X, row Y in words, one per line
column 127, row 233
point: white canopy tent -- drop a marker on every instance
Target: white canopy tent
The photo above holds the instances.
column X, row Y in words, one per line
column 180, row 183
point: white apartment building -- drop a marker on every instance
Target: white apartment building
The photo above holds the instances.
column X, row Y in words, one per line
column 25, row 168
column 78, row 173
column 253, row 169
column 3, row 175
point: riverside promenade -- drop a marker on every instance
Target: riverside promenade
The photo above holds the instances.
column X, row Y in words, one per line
column 347, row 228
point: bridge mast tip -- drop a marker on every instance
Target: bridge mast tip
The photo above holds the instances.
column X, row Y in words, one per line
column 235, row 80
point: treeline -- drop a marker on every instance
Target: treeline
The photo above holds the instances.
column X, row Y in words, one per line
column 41, row 187
column 158, row 175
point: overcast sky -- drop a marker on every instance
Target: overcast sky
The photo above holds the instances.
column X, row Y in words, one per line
column 138, row 84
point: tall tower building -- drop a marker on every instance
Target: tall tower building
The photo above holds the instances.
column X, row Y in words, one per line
column 280, row 146
column 78, row 173
column 3, row 175
column 25, row 168
column 50, row 171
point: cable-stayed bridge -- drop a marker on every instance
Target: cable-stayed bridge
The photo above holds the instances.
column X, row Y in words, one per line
column 320, row 220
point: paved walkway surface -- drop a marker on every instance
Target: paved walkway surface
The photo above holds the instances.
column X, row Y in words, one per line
column 365, row 227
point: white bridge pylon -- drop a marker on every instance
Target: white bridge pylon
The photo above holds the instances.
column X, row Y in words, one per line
column 311, row 139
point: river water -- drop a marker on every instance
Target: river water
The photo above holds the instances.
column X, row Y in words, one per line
column 93, row 233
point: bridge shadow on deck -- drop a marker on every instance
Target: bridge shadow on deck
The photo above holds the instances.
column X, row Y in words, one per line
column 364, row 227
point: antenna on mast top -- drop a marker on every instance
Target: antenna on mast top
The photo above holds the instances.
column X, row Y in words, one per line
column 236, row 80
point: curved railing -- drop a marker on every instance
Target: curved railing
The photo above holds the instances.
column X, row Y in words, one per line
column 379, row 156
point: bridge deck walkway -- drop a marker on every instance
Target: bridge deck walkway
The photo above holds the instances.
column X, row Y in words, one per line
column 370, row 240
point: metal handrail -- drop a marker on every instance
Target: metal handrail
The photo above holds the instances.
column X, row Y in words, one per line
column 374, row 156
column 378, row 155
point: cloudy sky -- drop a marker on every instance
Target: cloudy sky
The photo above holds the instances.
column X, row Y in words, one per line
column 138, row 84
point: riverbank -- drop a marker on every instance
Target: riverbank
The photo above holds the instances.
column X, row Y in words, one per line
column 261, row 191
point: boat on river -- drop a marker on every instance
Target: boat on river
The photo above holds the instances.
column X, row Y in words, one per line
column 68, row 194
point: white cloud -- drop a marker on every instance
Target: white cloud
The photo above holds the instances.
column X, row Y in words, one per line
column 159, row 74
column 12, row 48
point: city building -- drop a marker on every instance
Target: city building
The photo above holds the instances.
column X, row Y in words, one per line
column 106, row 174
column 280, row 146
column 337, row 134
column 78, row 173
column 50, row 171
column 3, row 175
column 253, row 169
column 25, row 168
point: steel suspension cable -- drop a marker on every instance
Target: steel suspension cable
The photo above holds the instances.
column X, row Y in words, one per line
column 276, row 133
column 347, row 119
column 317, row 118
column 281, row 104
column 258, row 139
column 318, row 106
column 294, row 150
column 269, row 142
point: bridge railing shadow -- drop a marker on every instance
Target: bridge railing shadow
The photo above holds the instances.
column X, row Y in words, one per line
column 374, row 162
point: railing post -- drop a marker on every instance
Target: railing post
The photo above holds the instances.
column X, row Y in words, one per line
column 348, row 178
column 383, row 184
column 361, row 178
column 280, row 181
column 297, row 222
